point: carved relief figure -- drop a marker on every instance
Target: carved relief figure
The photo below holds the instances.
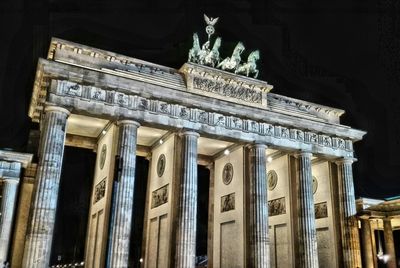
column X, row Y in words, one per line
column 159, row 196
column 228, row 202
column 250, row 67
column 276, row 207
column 231, row 63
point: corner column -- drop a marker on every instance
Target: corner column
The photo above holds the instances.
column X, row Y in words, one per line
column 122, row 200
column 367, row 249
column 307, row 235
column 389, row 243
column 44, row 202
column 258, row 207
column 9, row 194
column 348, row 221
column 185, row 247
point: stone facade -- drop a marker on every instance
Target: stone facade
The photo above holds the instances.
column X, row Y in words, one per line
column 269, row 203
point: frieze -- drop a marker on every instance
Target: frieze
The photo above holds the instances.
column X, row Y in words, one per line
column 100, row 190
column 321, row 210
column 159, row 196
column 228, row 202
column 276, row 207
column 135, row 102
column 230, row 89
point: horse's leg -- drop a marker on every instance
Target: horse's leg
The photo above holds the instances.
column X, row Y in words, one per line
column 256, row 71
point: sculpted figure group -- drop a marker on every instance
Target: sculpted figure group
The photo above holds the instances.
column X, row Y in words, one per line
column 211, row 57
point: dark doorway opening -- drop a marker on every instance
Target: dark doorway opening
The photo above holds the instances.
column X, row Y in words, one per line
column 139, row 201
column 73, row 206
column 202, row 213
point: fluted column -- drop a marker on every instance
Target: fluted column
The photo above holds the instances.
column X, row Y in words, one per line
column 185, row 247
column 122, row 201
column 210, row 232
column 389, row 243
column 44, row 202
column 348, row 221
column 368, row 253
column 307, row 236
column 258, row 255
column 9, row 194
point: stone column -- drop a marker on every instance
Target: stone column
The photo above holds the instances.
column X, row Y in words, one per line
column 258, row 207
column 44, row 201
column 348, row 221
column 185, row 247
column 10, row 186
column 367, row 249
column 122, row 200
column 307, row 235
column 389, row 243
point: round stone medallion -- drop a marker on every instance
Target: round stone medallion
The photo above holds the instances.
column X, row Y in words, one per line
column 161, row 165
column 227, row 173
column 314, row 184
column 103, row 155
column 272, row 179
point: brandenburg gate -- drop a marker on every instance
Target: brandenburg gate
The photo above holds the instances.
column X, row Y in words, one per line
column 281, row 187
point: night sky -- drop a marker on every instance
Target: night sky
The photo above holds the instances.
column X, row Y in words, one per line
column 344, row 54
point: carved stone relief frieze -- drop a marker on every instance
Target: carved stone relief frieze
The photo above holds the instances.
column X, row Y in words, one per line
column 134, row 102
column 99, row 190
column 159, row 196
column 228, row 202
column 277, row 206
column 321, row 210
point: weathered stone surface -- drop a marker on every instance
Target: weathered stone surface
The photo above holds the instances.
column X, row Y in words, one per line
column 307, row 237
column 185, row 248
column 348, row 221
column 368, row 253
column 8, row 202
column 389, row 243
column 44, row 205
column 122, row 200
column 258, row 256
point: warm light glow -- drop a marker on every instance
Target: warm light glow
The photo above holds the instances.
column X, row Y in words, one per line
column 226, row 152
column 141, row 260
column 104, row 132
column 161, row 141
column 269, row 159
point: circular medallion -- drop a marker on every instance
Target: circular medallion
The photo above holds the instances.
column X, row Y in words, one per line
column 314, row 184
column 272, row 179
column 161, row 165
column 103, row 155
column 227, row 173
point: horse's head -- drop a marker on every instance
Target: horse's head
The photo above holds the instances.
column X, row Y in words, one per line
column 239, row 48
column 217, row 43
column 196, row 42
column 254, row 56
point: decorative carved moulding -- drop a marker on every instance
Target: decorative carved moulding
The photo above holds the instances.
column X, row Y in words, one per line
column 71, row 92
column 226, row 86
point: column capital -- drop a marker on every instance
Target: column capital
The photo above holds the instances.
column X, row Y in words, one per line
column 189, row 132
column 347, row 160
column 257, row 144
column 302, row 153
column 11, row 180
column 128, row 122
column 54, row 108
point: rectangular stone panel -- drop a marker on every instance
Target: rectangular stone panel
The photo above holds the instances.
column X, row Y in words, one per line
column 98, row 242
column 163, row 241
column 100, row 190
column 276, row 206
column 324, row 251
column 228, row 202
column 153, row 243
column 159, row 196
column 321, row 210
column 228, row 247
column 282, row 252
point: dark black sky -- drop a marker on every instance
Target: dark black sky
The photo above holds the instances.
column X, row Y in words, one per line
column 344, row 54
